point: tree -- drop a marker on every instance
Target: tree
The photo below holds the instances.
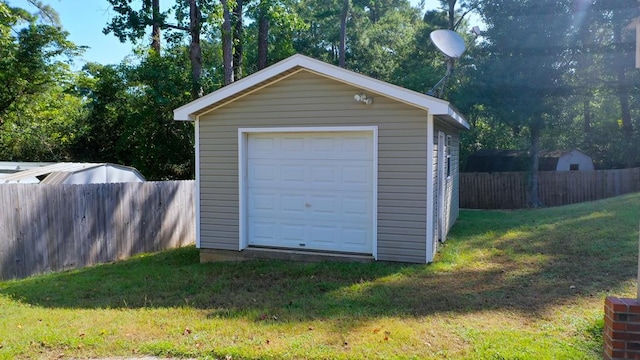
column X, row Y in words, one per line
column 130, row 115
column 238, row 40
column 227, row 42
column 39, row 109
column 263, row 34
column 130, row 24
column 523, row 72
column 32, row 56
column 346, row 6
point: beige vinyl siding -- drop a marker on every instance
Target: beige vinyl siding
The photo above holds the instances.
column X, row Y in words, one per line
column 306, row 99
column 451, row 193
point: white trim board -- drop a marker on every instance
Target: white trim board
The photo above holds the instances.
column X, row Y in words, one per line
column 430, row 244
column 242, row 173
column 197, row 190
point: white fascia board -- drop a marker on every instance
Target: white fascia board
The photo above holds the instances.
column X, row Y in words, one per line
column 435, row 106
column 188, row 112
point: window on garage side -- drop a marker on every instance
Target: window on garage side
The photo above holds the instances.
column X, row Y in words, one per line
column 447, row 151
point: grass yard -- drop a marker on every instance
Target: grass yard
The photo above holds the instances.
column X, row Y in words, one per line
column 524, row 284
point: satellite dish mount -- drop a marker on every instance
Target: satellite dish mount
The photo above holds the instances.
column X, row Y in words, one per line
column 452, row 45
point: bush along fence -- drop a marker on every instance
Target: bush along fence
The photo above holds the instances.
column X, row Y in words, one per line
column 47, row 228
column 508, row 190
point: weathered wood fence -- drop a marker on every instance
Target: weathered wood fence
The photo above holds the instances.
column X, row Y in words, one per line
column 47, row 228
column 508, row 190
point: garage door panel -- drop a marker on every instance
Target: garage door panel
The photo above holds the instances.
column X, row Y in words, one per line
column 311, row 146
column 311, row 191
column 328, row 204
column 310, row 174
column 263, row 231
column 292, row 234
column 292, row 204
column 291, row 173
column 324, row 235
column 265, row 201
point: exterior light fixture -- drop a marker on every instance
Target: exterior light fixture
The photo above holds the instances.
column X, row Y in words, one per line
column 362, row 98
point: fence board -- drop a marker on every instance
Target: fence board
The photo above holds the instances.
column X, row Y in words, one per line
column 508, row 190
column 58, row 227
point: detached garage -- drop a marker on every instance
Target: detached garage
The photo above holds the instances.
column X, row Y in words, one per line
column 305, row 160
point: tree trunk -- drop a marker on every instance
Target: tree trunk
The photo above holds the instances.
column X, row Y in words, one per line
column 238, row 40
column 227, row 43
column 195, row 51
column 343, row 33
column 451, row 14
column 534, row 199
column 155, row 26
column 263, row 36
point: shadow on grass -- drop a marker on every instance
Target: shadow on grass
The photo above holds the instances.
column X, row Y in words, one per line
column 522, row 261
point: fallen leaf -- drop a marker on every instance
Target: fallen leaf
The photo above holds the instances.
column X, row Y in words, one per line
column 375, row 331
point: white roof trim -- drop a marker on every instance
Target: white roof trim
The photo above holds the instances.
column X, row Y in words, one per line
column 437, row 107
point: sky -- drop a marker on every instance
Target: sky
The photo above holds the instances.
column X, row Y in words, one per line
column 85, row 19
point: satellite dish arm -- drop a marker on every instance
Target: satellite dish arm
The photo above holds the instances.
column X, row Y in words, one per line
column 438, row 89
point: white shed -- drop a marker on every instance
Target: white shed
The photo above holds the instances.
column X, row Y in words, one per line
column 574, row 160
column 76, row 173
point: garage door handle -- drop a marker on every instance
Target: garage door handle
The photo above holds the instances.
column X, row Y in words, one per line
column 307, row 205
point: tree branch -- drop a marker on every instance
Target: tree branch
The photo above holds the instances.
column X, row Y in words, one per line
column 463, row 16
column 175, row 27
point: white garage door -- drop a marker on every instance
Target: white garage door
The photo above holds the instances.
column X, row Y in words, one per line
column 311, row 190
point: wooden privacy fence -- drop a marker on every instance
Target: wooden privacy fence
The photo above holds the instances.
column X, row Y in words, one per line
column 508, row 190
column 58, row 227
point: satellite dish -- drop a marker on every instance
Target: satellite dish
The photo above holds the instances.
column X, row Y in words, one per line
column 448, row 42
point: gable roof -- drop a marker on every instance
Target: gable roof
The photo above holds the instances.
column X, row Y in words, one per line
column 439, row 108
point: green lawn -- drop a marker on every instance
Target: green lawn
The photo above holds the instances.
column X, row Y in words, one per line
column 524, row 284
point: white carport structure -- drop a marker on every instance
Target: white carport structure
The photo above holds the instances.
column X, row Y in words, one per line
column 76, row 173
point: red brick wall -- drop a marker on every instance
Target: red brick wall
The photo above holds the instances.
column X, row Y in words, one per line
column 621, row 329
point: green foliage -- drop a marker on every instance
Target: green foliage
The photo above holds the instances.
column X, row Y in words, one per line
column 130, row 119
column 285, row 25
column 45, row 129
column 29, row 56
column 39, row 108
